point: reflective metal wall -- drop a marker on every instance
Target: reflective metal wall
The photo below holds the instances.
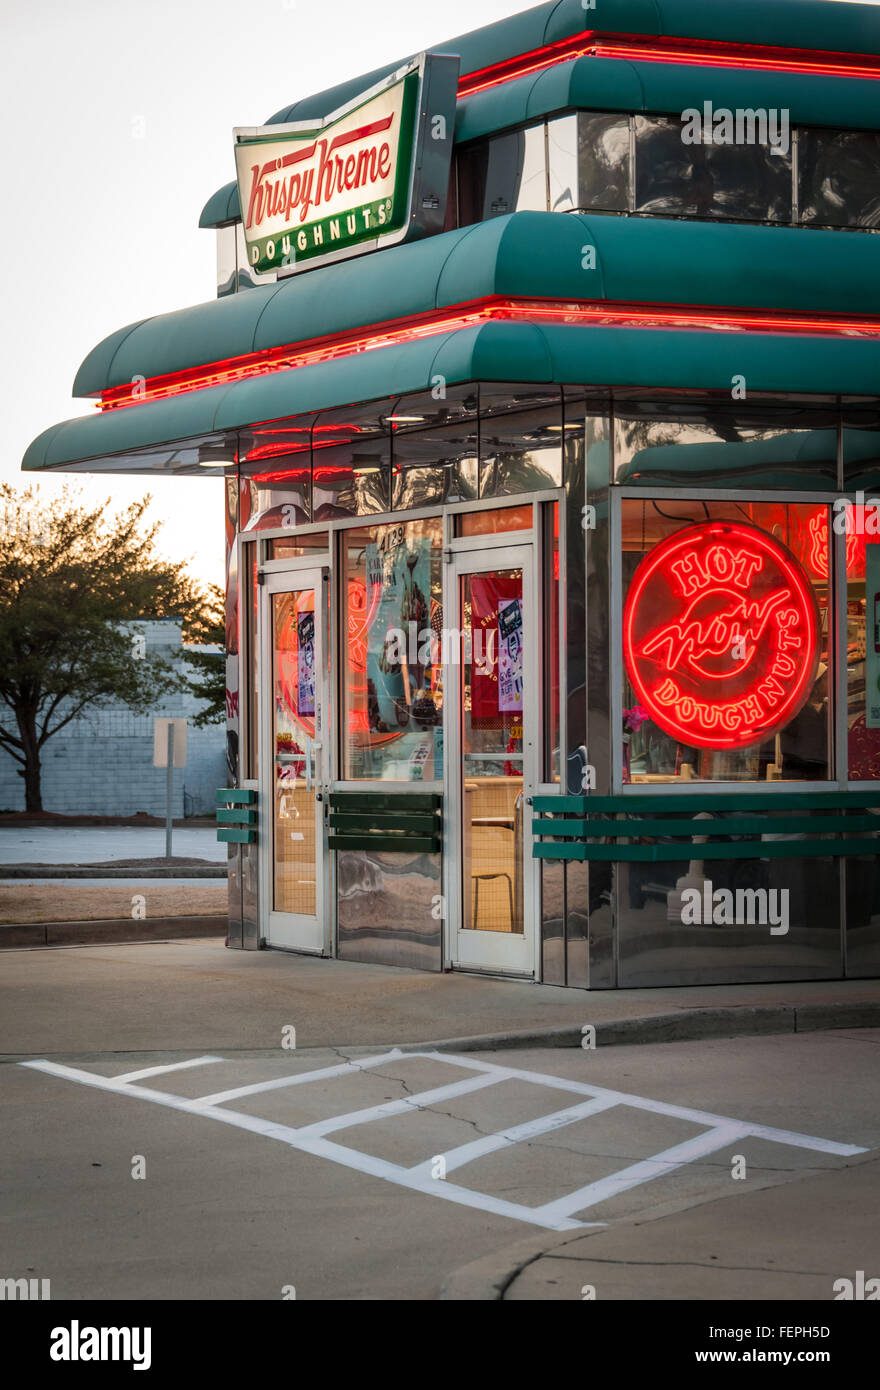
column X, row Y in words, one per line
column 389, row 908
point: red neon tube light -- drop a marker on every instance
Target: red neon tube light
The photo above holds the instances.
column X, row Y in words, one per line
column 662, row 49
column 596, row 313
column 721, row 635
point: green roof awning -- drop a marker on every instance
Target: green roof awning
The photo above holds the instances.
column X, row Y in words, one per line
column 808, row 24
column 527, row 255
column 499, row 351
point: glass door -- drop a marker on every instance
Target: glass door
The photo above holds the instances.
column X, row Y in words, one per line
column 492, row 760
column 295, row 756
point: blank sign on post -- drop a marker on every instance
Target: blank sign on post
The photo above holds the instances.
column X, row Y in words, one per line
column 160, row 742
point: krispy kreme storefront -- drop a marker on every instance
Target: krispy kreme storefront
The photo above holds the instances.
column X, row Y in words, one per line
column 553, row 569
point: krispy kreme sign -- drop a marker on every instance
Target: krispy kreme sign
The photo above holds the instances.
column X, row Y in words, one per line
column 311, row 192
column 721, row 635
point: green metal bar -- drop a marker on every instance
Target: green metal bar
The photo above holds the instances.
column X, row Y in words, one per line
column 242, row 815
column 237, row 836
column 725, row 801
column 403, row 844
column 238, row 796
column 423, row 823
column 385, row 801
column 632, row 827
column 754, row 849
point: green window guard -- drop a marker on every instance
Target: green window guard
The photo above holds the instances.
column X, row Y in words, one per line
column 237, row 816
column 572, row 827
column 408, row 822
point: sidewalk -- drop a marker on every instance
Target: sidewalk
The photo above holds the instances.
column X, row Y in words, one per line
column 177, row 995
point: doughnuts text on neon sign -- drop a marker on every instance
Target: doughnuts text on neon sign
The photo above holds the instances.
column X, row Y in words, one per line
column 721, row 635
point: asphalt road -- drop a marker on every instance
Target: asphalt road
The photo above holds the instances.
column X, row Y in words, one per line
column 742, row 1177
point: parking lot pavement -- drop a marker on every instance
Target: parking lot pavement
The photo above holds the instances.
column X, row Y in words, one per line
column 351, row 1174
column 95, row 844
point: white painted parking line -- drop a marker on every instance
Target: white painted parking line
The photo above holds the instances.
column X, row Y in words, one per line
column 720, row 1130
column 171, row 1066
column 530, row 1129
column 656, row 1167
column 299, row 1078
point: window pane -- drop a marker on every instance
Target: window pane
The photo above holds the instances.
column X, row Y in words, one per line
column 435, row 465
column 751, row 182
column 603, row 159
column 506, row 173
column 839, row 177
column 562, row 152
column 521, row 452
column 297, row 547
column 392, row 677
column 725, row 638
column 293, row 736
column 494, row 520
column 723, row 446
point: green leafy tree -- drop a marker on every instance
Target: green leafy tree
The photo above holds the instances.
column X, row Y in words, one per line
column 207, row 680
column 74, row 581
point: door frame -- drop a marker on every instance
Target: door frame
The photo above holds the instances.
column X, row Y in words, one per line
column 286, row 930
column 493, row 952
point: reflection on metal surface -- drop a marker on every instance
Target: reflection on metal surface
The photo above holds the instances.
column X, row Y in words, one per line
column 862, row 917
column 389, row 909
column 657, row 949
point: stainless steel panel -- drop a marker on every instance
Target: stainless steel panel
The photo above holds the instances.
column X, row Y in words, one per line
column 863, row 917
column 250, row 897
column 552, row 922
column 656, row 948
column 577, row 975
column 389, row 908
column 234, row 937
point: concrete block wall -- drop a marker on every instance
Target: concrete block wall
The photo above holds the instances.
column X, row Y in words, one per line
column 102, row 762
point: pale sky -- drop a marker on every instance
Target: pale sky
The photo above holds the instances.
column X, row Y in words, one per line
column 100, row 227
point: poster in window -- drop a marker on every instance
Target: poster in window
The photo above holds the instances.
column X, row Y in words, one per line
column 510, row 655
column 398, row 622
column 305, row 665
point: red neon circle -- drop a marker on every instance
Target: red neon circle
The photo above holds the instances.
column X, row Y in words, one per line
column 721, row 635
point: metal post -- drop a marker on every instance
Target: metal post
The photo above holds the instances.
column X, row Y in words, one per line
column 169, row 788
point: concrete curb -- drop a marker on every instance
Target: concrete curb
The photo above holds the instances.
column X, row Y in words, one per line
column 486, row 1280
column 112, row 931
column 678, row 1025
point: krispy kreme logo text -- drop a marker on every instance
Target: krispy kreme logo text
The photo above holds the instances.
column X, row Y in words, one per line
column 721, row 635
column 307, row 192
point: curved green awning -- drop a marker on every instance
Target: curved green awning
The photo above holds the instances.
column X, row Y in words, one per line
column 528, row 255
column 499, row 351
column 808, row 24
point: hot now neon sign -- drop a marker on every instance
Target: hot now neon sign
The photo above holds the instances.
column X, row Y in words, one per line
column 721, row 635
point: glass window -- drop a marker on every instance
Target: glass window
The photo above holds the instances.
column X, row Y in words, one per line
column 714, row 446
column 297, row 547
column 562, row 163
column 839, row 177
column 435, row 465
column 725, row 641
column 494, row 520
column 352, row 476
column 751, row 182
column 603, row 154
column 506, row 173
column 392, row 674
column 520, row 450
